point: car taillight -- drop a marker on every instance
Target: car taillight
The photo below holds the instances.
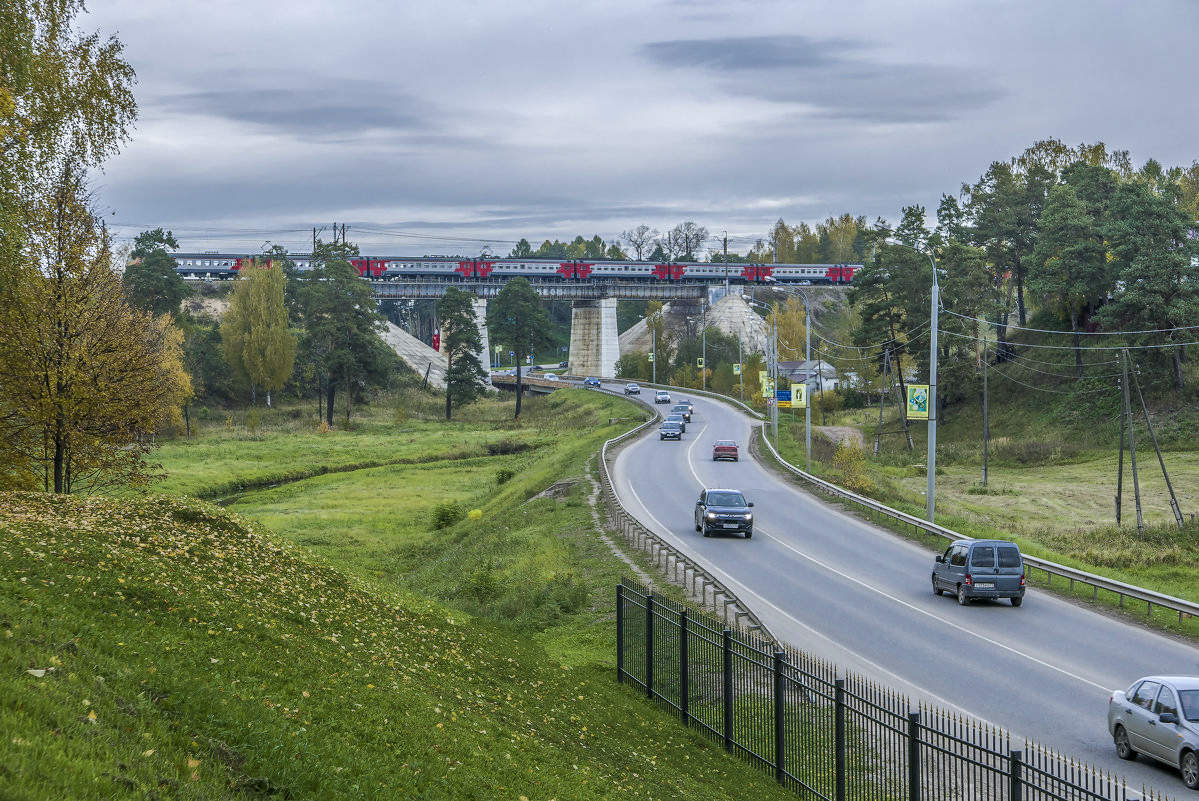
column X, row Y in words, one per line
column 969, row 580
column 1021, row 579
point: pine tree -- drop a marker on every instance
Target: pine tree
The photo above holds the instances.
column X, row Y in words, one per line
column 461, row 343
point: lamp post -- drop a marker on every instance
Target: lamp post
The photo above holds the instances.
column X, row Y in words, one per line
column 807, row 372
column 773, row 367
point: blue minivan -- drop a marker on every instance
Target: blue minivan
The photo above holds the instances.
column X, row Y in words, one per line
column 973, row 569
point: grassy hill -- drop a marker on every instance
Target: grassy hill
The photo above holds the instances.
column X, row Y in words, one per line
column 162, row 647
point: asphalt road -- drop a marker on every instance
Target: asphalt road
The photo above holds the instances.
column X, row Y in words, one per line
column 861, row 597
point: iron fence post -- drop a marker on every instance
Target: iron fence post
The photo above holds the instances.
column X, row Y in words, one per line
column 726, row 638
column 684, row 690
column 1015, row 776
column 913, row 756
column 780, row 767
column 619, row 633
column 839, row 737
column 649, row 645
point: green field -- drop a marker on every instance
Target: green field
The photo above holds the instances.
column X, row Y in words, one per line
column 160, row 647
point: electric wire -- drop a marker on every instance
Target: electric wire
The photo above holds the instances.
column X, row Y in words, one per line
column 1002, row 374
column 1078, row 333
column 1084, row 347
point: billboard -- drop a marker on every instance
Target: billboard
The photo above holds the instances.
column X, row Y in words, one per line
column 917, row 401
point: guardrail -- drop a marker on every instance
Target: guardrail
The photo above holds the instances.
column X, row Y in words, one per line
column 1183, row 607
column 681, row 568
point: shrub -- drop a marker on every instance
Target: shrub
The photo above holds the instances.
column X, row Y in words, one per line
column 503, row 475
column 827, row 401
column 322, row 427
column 507, row 446
column 447, row 514
column 253, row 420
column 850, row 462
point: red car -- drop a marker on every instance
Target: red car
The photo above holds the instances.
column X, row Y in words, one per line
column 724, row 449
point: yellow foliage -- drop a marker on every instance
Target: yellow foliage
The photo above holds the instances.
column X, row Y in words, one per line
column 850, row 462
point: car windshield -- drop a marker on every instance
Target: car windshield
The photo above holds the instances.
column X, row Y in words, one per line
column 670, row 424
column 1189, row 699
column 726, row 499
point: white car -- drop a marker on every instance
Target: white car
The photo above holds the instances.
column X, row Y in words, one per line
column 550, row 377
column 661, row 396
column 632, row 389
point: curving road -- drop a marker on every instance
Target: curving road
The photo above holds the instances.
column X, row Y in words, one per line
column 860, row 596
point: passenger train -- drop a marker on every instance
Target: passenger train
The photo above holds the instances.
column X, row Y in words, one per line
column 380, row 268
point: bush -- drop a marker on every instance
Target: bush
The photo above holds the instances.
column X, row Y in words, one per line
column 828, row 401
column 447, row 514
column 253, row 420
column 850, row 462
column 503, row 475
column 507, row 446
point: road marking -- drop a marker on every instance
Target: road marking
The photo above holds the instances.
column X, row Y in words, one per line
column 698, row 480
column 917, row 609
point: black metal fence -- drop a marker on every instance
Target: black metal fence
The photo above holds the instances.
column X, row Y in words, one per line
column 824, row 735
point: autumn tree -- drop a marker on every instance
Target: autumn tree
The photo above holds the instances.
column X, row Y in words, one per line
column 461, row 344
column 254, row 336
column 86, row 380
column 640, row 239
column 782, row 243
column 516, row 318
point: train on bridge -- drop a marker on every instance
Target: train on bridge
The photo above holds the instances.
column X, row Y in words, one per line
column 386, row 268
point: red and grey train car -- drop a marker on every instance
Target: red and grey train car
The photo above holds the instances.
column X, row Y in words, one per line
column 390, row 268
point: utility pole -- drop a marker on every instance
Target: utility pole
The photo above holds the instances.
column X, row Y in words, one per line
column 932, row 395
column 807, row 315
column 740, row 367
column 1149, row 424
column 703, row 372
column 726, row 264
column 987, row 423
column 653, row 363
column 1132, row 442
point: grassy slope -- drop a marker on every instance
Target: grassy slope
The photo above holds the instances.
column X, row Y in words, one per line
column 223, row 663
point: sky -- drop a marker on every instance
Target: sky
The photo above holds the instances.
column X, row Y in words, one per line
column 442, row 126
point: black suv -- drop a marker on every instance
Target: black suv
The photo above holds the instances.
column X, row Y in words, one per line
column 723, row 510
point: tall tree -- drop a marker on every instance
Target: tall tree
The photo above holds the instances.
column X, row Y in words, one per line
column 640, row 239
column 341, row 325
column 254, row 333
column 838, row 235
column 152, row 280
column 461, row 343
column 1152, row 245
column 687, row 240
column 516, row 318
column 782, row 243
column 807, row 244
column 1069, row 260
column 522, row 250
column 85, row 379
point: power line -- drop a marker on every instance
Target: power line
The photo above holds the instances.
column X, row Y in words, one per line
column 1083, row 347
column 1045, row 389
column 1078, row 333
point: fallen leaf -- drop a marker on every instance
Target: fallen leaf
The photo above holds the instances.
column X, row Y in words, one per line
column 92, row 716
column 37, row 673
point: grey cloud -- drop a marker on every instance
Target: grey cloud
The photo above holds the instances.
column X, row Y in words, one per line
column 835, row 76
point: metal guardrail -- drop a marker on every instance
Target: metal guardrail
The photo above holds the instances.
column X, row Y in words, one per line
column 694, row 577
column 1183, row 607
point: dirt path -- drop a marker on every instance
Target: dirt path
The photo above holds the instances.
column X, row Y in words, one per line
column 839, row 434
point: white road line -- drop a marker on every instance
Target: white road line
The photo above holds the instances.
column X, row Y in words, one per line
column 915, row 608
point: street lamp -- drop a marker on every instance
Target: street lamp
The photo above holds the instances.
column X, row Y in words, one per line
column 774, row 366
column 808, row 363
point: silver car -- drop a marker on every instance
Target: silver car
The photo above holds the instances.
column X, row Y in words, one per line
column 1158, row 716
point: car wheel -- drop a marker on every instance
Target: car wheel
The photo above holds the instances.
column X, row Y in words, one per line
column 736, row 459
column 697, row 526
column 1017, row 600
column 706, row 532
column 1123, row 748
column 936, row 589
column 962, row 599
column 1190, row 770
column 749, row 534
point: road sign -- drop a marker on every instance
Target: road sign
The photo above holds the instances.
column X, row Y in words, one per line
column 799, row 394
column 511, row 353
column 917, row 401
column 699, row 362
column 783, row 398
column 651, row 357
column 736, row 369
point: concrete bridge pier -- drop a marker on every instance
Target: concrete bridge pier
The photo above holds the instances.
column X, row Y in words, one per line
column 485, row 356
column 594, row 346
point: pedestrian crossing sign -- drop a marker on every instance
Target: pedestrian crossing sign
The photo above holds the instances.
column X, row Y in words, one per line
column 736, row 369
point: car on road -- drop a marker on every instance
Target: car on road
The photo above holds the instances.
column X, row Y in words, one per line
column 690, row 405
column 592, row 382
column 632, row 389
column 724, row 510
column 550, row 377
column 973, row 569
column 683, row 409
column 725, row 449
column 661, row 396
column 677, row 418
column 670, row 430
column 1158, row 716
column 562, row 364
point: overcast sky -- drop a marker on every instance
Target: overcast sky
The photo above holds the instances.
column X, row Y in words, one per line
column 497, row 120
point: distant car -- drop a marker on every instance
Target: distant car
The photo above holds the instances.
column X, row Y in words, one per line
column 677, row 418
column 550, row 377
column 661, row 396
column 1158, row 716
column 562, row 364
column 632, row 389
column 591, row 382
column 670, row 430
column 683, row 409
column 725, row 449
column 723, row 510
column 690, row 406
column 973, row 569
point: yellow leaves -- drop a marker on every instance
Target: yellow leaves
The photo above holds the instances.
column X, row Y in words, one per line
column 91, row 716
column 149, row 752
column 193, row 763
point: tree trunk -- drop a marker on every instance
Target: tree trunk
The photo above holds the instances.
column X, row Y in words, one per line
column 349, row 401
column 519, row 386
column 187, row 419
column 330, row 394
column 1077, row 344
column 1020, row 296
column 268, row 399
column 60, row 453
column 253, row 394
column 1178, row 382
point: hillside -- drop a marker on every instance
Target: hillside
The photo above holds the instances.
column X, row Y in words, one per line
column 163, row 648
